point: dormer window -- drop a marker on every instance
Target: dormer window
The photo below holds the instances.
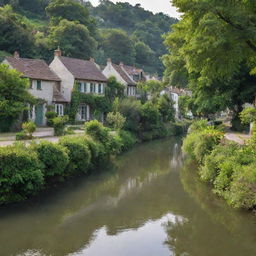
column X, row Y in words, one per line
column 38, row 85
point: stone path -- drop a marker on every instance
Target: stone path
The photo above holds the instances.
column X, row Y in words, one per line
column 40, row 134
column 238, row 137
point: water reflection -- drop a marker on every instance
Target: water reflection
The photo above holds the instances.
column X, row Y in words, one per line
column 150, row 204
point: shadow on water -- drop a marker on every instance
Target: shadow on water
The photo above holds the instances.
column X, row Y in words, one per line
column 150, row 203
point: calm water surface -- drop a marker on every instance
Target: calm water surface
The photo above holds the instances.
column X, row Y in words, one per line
column 150, row 203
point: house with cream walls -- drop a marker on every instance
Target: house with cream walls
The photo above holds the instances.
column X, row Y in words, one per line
column 122, row 76
column 44, row 85
column 85, row 74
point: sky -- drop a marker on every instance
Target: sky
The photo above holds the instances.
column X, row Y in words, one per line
column 152, row 5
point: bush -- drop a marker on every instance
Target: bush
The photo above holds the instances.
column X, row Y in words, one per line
column 50, row 115
column 198, row 125
column 128, row 140
column 243, row 188
column 22, row 136
column 201, row 142
column 20, row 174
column 115, row 120
column 59, row 125
column 54, row 158
column 78, row 152
column 29, row 127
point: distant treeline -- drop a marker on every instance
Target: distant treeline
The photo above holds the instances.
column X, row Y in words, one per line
column 119, row 31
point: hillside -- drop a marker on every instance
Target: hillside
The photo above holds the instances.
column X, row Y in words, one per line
column 119, row 31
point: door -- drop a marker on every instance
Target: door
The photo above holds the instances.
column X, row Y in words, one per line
column 39, row 111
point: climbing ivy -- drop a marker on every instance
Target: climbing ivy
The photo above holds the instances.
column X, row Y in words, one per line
column 96, row 102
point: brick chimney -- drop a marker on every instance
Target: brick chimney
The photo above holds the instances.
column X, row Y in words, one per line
column 121, row 64
column 109, row 61
column 16, row 55
column 92, row 60
column 57, row 53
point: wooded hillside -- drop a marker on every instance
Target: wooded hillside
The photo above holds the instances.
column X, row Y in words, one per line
column 119, row 31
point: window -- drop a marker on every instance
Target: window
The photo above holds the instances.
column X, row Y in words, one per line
column 31, row 84
column 79, row 86
column 38, row 85
column 85, row 88
column 99, row 89
column 83, row 112
column 91, row 87
column 59, row 109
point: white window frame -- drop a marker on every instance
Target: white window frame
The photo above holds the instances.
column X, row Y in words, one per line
column 59, row 109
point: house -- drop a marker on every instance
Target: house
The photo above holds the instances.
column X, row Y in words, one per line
column 122, row 76
column 174, row 93
column 44, row 85
column 85, row 74
column 135, row 73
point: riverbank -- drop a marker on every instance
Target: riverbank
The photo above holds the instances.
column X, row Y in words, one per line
column 26, row 169
column 228, row 167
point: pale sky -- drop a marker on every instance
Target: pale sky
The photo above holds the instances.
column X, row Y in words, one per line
column 152, row 5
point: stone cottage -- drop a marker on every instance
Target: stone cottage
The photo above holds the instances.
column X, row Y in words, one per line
column 44, row 85
column 122, row 76
column 85, row 74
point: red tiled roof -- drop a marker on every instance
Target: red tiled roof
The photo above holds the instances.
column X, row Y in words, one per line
column 82, row 69
column 33, row 68
column 122, row 73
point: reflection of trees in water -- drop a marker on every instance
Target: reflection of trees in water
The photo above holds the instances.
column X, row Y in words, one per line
column 212, row 229
column 123, row 199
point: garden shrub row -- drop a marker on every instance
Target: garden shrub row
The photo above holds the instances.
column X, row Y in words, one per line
column 229, row 168
column 25, row 170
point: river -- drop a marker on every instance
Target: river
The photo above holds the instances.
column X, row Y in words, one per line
column 149, row 203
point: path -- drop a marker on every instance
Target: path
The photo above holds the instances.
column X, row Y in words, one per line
column 238, row 137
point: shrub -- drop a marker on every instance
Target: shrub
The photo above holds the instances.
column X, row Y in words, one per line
column 22, row 136
column 115, row 120
column 59, row 125
column 248, row 115
column 243, row 187
column 20, row 174
column 131, row 109
column 128, row 140
column 78, row 152
column 54, row 158
column 200, row 143
column 50, row 115
column 198, row 125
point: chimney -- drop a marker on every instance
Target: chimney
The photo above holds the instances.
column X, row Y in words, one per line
column 109, row 61
column 92, row 60
column 16, row 55
column 121, row 64
column 57, row 53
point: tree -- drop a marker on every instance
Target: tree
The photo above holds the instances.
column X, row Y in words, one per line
column 73, row 38
column 212, row 50
column 14, row 96
column 144, row 53
column 114, row 90
column 166, row 109
column 151, row 87
column 118, row 46
column 15, row 32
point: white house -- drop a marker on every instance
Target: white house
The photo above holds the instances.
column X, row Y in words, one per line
column 86, row 74
column 44, row 84
column 122, row 76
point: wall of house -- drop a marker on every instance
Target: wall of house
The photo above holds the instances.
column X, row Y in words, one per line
column 110, row 71
column 67, row 79
column 46, row 91
column 175, row 98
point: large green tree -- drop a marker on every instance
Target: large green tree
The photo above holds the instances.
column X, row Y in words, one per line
column 212, row 50
column 73, row 38
column 118, row 46
column 14, row 96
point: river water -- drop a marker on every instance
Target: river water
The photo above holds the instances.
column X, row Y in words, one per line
column 149, row 203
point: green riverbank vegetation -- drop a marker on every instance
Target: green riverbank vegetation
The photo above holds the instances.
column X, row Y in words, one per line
column 227, row 166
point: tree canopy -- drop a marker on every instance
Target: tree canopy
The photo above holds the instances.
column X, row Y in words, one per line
column 212, row 51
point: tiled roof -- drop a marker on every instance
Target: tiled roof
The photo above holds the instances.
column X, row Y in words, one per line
column 122, row 73
column 82, row 69
column 33, row 68
column 132, row 70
